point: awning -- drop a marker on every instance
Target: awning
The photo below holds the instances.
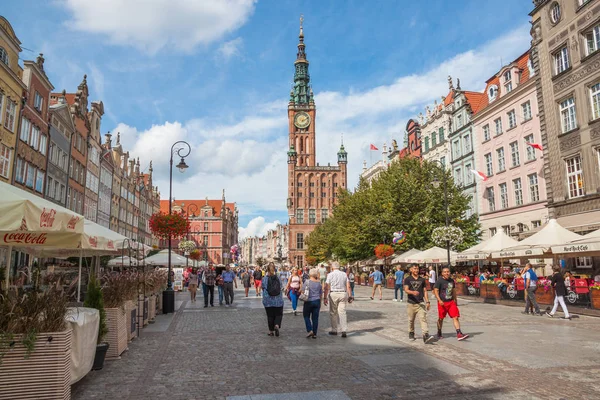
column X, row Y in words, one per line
column 434, row 255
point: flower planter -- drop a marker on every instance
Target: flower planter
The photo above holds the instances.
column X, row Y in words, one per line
column 131, row 313
column 116, row 322
column 391, row 283
column 461, row 289
column 492, row 292
column 595, row 298
column 544, row 296
column 45, row 373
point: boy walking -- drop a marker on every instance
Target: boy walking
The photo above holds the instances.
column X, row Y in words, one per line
column 414, row 286
column 444, row 290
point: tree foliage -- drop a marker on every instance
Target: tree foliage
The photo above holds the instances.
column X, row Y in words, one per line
column 401, row 198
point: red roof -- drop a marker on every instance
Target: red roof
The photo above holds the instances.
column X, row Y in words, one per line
column 70, row 97
column 475, row 99
column 214, row 204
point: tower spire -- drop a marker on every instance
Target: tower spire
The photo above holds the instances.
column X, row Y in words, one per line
column 301, row 92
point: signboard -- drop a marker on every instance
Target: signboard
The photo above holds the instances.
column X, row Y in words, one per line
column 178, row 280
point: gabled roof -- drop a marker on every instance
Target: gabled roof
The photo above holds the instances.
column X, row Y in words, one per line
column 474, row 99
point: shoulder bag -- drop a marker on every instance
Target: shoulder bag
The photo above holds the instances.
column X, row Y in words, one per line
column 305, row 293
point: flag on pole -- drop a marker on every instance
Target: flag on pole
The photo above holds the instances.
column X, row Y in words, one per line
column 373, row 147
column 536, row 146
column 480, row 175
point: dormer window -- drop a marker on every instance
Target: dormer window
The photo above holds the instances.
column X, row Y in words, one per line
column 492, row 92
column 507, row 82
column 530, row 67
column 555, row 13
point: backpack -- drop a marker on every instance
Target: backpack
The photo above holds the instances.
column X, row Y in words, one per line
column 532, row 275
column 273, row 286
column 258, row 275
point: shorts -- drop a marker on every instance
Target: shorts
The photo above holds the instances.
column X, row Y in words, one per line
column 449, row 308
column 257, row 282
column 323, row 280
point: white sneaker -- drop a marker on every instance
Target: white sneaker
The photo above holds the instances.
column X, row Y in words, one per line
column 395, row 299
column 401, row 300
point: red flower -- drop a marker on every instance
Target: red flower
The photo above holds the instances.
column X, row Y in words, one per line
column 169, row 225
column 383, row 250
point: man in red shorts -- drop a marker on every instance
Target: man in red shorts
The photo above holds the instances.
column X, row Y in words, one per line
column 445, row 292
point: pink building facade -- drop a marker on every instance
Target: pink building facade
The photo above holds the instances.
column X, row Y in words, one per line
column 514, row 194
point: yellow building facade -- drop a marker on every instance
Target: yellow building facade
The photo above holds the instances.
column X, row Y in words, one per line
column 11, row 94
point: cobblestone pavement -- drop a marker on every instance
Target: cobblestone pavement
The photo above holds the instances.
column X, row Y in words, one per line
column 224, row 353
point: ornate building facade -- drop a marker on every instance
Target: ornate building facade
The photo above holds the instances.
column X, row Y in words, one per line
column 566, row 56
column 62, row 130
column 312, row 189
column 436, row 125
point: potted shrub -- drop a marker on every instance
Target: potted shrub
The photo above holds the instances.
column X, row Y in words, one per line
column 595, row 296
column 35, row 345
column 545, row 292
column 461, row 286
column 114, row 293
column 391, row 281
column 94, row 299
column 490, row 290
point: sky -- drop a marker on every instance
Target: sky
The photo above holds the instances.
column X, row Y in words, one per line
column 217, row 73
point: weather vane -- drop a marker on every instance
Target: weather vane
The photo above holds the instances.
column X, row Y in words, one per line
column 301, row 19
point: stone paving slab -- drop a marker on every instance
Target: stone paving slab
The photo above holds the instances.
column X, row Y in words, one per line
column 322, row 395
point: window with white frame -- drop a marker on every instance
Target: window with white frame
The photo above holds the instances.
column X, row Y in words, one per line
column 469, row 211
column 443, row 161
column 458, row 176
column 534, row 190
column 583, row 262
column 592, row 40
column 555, row 13
column 595, row 100
column 469, row 174
column 518, row 191
column 39, row 181
column 459, row 121
column 467, row 143
column 503, row 195
column 530, row 150
column 575, row 177
column 34, row 138
column 324, row 214
column 38, row 102
column 5, row 153
column 312, row 216
column 299, row 216
column 455, row 149
column 441, row 132
column 512, row 119
column 30, row 178
column 490, row 198
column 10, row 114
column 426, row 144
column 568, row 116
column 486, row 133
column 489, row 166
column 433, row 139
column 526, row 109
column 507, row 82
column 561, row 60
column 514, row 154
column 498, row 123
column 21, row 169
column 43, row 144
column 50, row 188
column 4, row 56
column 1, row 102
column 501, row 162
column 25, row 129
column 492, row 93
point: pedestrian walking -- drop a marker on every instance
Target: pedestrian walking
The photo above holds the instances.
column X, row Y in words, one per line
column 560, row 291
column 245, row 277
column 219, row 284
column 304, row 273
column 418, row 303
column 193, row 284
column 398, row 286
column 378, row 278
column 312, row 305
column 209, row 279
column 337, row 293
column 322, row 274
column 531, row 280
column 228, row 282
column 432, row 277
column 445, row 292
column 293, row 290
column 284, row 276
column 257, row 280
column 272, row 300
column 351, row 278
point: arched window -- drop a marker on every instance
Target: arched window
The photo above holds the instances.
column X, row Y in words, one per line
column 4, row 56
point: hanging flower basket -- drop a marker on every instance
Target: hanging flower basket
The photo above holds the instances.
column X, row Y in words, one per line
column 195, row 255
column 443, row 234
column 383, row 250
column 187, row 246
column 169, row 225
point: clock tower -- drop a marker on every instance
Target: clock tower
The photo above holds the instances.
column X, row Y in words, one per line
column 312, row 189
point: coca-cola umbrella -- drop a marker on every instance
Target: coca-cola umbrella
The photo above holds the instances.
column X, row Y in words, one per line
column 27, row 220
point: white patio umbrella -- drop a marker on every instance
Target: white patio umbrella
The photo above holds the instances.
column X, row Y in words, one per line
column 124, row 261
column 27, row 220
column 589, row 243
column 434, row 255
column 162, row 258
column 552, row 234
column 402, row 258
column 483, row 250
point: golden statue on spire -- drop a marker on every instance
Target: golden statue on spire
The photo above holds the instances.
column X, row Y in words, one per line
column 301, row 22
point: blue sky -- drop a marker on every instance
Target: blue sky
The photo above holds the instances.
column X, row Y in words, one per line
column 218, row 73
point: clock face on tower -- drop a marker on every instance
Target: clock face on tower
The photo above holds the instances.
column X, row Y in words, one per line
column 302, row 120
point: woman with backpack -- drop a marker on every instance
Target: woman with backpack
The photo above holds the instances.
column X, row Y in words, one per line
column 272, row 300
column 293, row 289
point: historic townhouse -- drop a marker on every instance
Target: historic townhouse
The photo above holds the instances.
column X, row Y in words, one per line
column 566, row 57
column 312, row 189
column 32, row 145
column 116, row 153
column 62, row 129
column 149, row 204
column 372, row 172
column 461, row 144
column 92, row 181
column 105, row 183
column 514, row 195
column 12, row 89
column 435, row 126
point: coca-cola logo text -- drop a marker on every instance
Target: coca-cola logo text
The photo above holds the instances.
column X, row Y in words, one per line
column 47, row 218
column 93, row 241
column 25, row 238
column 72, row 222
column 110, row 244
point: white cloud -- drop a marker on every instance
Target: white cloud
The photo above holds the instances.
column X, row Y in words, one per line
column 242, row 157
column 257, row 227
column 230, row 49
column 152, row 25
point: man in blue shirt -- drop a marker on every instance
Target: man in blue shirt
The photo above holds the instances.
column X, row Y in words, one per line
column 377, row 276
column 228, row 281
column 399, row 284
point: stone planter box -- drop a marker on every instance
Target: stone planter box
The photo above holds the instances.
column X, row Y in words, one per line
column 391, row 283
column 461, row 289
column 151, row 308
column 482, row 290
column 116, row 322
column 595, row 298
column 544, row 297
column 45, row 374
column 131, row 314
column 492, row 292
column 364, row 281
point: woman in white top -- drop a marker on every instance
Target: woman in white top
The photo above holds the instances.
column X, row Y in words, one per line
column 193, row 284
column 293, row 289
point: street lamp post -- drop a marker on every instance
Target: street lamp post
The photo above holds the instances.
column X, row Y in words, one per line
column 436, row 184
column 182, row 151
